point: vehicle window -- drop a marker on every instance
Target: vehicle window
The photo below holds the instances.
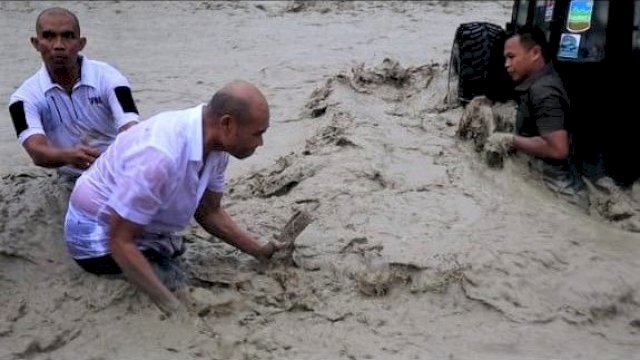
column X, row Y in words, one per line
column 584, row 34
column 636, row 26
column 523, row 10
column 543, row 15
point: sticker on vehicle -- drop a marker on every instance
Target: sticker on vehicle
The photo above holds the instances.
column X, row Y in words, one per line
column 569, row 44
column 548, row 14
column 580, row 12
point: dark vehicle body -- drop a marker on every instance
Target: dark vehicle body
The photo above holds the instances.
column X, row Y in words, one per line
column 596, row 51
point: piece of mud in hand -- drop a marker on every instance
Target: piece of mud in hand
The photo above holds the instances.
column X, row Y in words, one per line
column 294, row 227
column 494, row 159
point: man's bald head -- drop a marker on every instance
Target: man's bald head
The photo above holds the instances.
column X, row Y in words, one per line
column 240, row 99
column 58, row 11
column 235, row 119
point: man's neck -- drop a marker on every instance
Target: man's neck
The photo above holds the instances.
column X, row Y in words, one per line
column 210, row 141
column 538, row 67
column 65, row 77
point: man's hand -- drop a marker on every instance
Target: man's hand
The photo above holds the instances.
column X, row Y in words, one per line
column 267, row 250
column 496, row 147
column 171, row 307
column 81, row 156
column 499, row 142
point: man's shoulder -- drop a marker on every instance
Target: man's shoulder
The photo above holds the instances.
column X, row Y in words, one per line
column 546, row 85
column 547, row 79
column 98, row 64
column 170, row 116
column 172, row 128
column 30, row 89
column 101, row 70
column 168, row 124
column 548, row 76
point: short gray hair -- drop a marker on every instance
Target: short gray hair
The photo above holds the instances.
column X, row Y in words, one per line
column 223, row 103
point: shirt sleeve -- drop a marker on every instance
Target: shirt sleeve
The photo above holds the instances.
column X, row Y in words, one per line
column 217, row 178
column 120, row 98
column 550, row 110
column 25, row 116
column 144, row 183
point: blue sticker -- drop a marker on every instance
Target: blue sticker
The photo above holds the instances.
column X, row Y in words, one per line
column 569, row 44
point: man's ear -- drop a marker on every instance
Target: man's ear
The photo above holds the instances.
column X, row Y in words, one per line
column 34, row 42
column 83, row 43
column 226, row 121
column 536, row 51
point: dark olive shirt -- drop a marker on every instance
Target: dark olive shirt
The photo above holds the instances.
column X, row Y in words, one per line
column 543, row 104
column 543, row 107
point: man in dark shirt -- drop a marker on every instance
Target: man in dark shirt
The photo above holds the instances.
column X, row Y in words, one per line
column 543, row 107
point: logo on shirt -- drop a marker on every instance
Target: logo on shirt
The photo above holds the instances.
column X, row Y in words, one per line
column 95, row 100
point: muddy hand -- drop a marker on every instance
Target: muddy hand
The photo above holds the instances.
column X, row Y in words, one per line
column 83, row 156
column 267, row 250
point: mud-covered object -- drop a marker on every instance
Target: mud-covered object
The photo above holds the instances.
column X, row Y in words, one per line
column 500, row 142
column 482, row 117
column 294, row 227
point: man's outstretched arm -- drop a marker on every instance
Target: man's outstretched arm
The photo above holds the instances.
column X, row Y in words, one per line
column 44, row 154
column 216, row 221
column 29, row 129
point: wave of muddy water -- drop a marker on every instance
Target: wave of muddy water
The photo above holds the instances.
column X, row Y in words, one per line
column 417, row 250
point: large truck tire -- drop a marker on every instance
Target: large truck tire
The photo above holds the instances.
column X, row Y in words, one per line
column 477, row 63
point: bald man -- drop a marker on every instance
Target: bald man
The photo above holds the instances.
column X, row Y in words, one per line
column 68, row 112
column 154, row 178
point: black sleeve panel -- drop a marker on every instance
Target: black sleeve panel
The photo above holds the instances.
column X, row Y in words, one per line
column 123, row 93
column 18, row 117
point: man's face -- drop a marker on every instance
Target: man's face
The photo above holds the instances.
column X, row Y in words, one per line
column 247, row 136
column 58, row 41
column 518, row 60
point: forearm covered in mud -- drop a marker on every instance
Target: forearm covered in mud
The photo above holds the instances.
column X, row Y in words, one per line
column 217, row 222
column 135, row 266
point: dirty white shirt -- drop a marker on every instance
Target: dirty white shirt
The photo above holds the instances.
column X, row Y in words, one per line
column 154, row 174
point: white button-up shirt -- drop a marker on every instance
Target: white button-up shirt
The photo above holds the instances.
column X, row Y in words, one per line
column 154, row 174
column 91, row 114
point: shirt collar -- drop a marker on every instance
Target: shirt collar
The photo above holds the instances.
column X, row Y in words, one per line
column 526, row 84
column 195, row 132
column 87, row 77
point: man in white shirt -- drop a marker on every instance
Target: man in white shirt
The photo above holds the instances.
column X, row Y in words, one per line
column 68, row 112
column 148, row 184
